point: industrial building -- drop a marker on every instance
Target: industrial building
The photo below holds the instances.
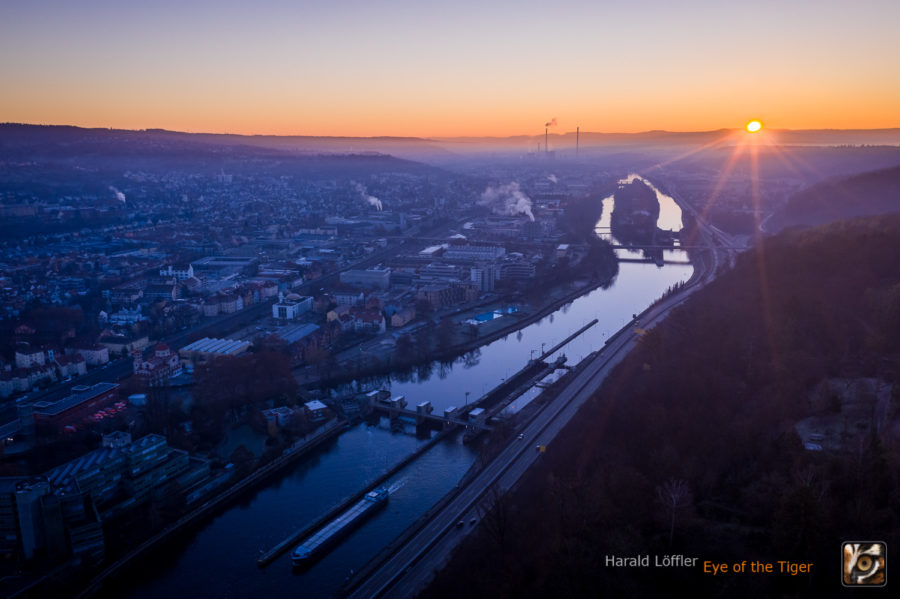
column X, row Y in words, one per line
column 474, row 253
column 208, row 348
column 49, row 417
column 225, row 265
column 371, row 278
column 293, row 334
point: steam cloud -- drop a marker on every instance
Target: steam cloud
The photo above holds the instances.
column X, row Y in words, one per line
column 551, row 123
column 552, row 177
column 364, row 194
column 506, row 199
column 119, row 195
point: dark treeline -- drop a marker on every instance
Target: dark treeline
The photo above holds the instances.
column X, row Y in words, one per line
column 690, row 445
column 633, row 220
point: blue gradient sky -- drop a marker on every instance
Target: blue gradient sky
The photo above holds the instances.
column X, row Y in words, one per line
column 440, row 69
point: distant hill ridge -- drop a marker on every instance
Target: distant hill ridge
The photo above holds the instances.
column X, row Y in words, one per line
column 446, row 144
column 876, row 192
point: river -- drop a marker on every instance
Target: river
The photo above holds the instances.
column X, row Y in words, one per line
column 218, row 559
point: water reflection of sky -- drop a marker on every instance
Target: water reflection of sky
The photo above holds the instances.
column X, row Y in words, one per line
column 669, row 220
column 636, row 286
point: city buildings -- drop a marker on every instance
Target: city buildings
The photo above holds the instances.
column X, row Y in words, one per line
column 62, row 512
column 474, row 253
column 371, row 278
column 484, row 276
column 292, row 306
column 178, row 271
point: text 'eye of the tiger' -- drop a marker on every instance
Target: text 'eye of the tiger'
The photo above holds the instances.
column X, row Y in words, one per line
column 864, row 563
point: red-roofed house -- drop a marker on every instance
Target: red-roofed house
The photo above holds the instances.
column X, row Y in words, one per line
column 157, row 369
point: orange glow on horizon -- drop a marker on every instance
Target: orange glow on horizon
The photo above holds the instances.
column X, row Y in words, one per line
column 267, row 116
column 441, row 129
column 445, row 70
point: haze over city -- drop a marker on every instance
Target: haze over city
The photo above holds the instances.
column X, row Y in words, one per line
column 438, row 69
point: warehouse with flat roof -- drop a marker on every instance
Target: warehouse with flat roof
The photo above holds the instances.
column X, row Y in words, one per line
column 208, row 348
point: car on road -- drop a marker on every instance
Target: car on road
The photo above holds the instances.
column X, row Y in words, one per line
column 521, row 436
column 473, row 521
column 459, row 524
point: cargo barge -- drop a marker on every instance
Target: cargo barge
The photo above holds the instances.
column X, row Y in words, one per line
column 319, row 541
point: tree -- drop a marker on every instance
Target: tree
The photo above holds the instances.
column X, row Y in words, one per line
column 423, row 340
column 424, row 309
column 245, row 381
column 673, row 497
column 445, row 333
column 404, row 348
column 495, row 518
column 242, row 458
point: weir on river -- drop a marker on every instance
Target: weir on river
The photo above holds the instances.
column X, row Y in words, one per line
column 219, row 559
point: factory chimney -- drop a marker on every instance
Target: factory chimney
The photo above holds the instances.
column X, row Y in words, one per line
column 546, row 146
column 577, row 131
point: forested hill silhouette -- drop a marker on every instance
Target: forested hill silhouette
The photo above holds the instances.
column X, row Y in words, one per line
column 690, row 447
column 876, row 192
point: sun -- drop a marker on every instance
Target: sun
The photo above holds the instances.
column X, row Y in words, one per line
column 754, row 126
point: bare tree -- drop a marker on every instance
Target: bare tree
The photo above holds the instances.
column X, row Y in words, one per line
column 674, row 497
column 494, row 512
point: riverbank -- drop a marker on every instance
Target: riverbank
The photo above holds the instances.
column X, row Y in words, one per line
column 387, row 363
column 487, row 455
column 329, row 431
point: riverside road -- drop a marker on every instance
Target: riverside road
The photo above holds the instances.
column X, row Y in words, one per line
column 413, row 565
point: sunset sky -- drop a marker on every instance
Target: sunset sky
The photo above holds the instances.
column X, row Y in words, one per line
column 438, row 68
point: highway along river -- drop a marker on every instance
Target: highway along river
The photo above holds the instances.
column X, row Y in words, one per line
column 218, row 559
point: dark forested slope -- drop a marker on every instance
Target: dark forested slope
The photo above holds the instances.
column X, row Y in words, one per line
column 691, row 448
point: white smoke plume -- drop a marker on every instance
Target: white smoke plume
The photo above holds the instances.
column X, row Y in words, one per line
column 364, row 194
column 506, row 199
column 551, row 123
column 119, row 195
column 552, row 177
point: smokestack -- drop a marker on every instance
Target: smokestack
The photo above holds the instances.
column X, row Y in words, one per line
column 546, row 147
column 577, row 131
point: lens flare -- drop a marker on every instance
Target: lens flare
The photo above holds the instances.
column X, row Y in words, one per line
column 754, row 126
